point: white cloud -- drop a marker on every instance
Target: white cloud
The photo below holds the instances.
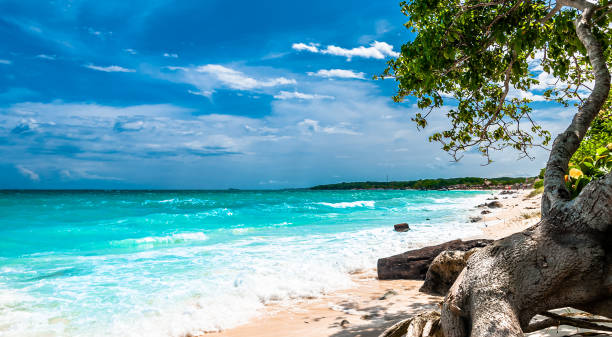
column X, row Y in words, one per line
column 171, row 55
column 109, row 69
column 339, row 73
column 46, row 57
column 238, row 80
column 28, row 173
column 298, row 95
column 207, row 78
column 130, row 51
column 207, row 94
column 311, row 47
column 376, row 50
column 309, row 126
column 7, row 62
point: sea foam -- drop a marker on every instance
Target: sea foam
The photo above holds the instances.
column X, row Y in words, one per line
column 208, row 269
column 161, row 240
column 361, row 203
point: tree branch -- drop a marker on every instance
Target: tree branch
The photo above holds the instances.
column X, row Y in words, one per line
column 568, row 142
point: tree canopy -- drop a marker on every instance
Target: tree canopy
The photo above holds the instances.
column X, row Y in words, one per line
column 486, row 56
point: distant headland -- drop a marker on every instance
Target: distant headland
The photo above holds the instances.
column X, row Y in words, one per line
column 466, row 183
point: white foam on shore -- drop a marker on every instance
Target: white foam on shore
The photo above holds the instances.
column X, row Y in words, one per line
column 282, row 270
column 191, row 289
column 161, row 240
column 361, row 203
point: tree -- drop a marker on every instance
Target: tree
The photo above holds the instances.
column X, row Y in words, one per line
column 478, row 53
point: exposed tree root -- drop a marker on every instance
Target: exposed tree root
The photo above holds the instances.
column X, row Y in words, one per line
column 556, row 320
column 426, row 324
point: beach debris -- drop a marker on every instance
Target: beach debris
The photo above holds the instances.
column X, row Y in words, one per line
column 348, row 311
column 413, row 264
column 371, row 315
column 492, row 204
column 401, row 227
column 388, row 294
column 345, row 323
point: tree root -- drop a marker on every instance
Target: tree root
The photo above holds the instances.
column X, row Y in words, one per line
column 427, row 324
column 556, row 320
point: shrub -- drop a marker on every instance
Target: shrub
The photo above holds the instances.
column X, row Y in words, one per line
column 589, row 168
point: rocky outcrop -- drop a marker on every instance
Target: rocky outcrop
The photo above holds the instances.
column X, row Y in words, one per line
column 401, row 227
column 444, row 270
column 413, row 264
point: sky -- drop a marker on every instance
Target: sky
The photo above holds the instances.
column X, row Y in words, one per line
column 161, row 94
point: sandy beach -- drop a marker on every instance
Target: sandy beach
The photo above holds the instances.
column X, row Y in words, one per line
column 372, row 305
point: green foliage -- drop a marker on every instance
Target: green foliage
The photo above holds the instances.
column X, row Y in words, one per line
column 588, row 169
column 425, row 184
column 476, row 51
column 538, row 183
column 542, row 173
column 598, row 135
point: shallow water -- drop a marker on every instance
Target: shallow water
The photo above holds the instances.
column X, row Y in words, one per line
column 167, row 263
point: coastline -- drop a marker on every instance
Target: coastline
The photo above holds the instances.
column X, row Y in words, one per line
column 372, row 305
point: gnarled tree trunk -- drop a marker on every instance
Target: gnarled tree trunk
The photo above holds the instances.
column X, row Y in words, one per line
column 566, row 259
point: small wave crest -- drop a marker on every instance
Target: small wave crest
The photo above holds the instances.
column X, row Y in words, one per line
column 161, row 240
column 361, row 203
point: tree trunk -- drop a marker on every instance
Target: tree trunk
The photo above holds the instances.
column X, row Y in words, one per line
column 563, row 261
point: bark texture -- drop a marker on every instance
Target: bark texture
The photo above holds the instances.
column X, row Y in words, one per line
column 563, row 261
column 444, row 270
column 566, row 259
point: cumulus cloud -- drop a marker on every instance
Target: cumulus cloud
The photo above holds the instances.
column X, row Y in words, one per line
column 377, row 50
column 339, row 73
column 298, row 95
column 28, row 173
column 109, row 69
column 171, row 55
column 311, row 47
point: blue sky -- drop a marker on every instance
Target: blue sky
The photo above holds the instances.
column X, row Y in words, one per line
column 214, row 94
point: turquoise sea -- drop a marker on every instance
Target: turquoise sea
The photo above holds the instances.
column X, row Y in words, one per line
column 166, row 263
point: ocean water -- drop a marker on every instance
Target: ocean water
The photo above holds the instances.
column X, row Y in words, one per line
column 166, row 263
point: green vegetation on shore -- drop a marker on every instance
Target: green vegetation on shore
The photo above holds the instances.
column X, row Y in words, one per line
column 425, row 184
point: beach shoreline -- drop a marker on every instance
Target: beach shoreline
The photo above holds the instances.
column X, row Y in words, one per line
column 373, row 305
